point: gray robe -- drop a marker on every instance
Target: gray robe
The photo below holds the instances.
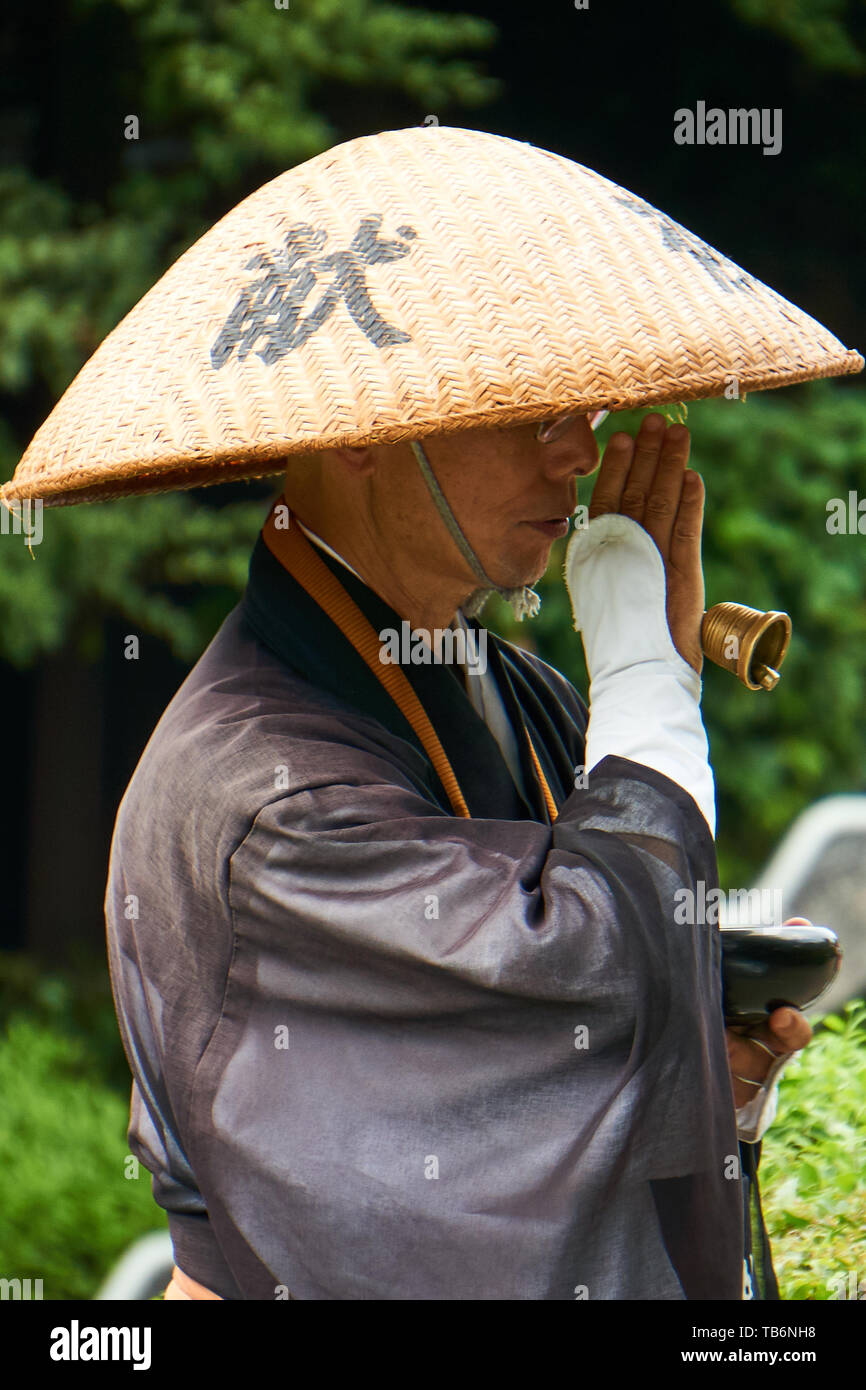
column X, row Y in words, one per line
column 383, row 1052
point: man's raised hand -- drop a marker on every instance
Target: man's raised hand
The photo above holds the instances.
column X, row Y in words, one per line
column 647, row 479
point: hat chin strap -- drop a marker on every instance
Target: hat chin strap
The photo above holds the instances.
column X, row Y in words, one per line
column 524, row 602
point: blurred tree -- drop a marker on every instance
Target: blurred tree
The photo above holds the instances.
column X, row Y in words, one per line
column 831, row 34
column 226, row 96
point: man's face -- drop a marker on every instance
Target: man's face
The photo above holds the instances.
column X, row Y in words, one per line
column 511, row 494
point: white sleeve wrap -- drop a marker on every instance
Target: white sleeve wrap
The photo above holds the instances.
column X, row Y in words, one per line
column 644, row 699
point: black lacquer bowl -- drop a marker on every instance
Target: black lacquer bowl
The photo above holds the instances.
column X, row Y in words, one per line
column 764, row 969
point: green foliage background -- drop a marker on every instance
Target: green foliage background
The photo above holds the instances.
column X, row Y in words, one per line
column 811, row 1172
column 68, row 1209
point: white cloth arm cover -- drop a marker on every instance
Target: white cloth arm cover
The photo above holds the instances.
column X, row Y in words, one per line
column 644, row 699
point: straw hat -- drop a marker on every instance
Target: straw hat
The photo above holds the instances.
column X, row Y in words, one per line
column 402, row 284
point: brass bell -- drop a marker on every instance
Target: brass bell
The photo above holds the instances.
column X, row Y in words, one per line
column 746, row 641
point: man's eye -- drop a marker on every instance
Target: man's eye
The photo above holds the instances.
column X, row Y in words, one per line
column 549, row 430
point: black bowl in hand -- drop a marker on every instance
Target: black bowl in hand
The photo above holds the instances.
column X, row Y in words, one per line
column 764, row 969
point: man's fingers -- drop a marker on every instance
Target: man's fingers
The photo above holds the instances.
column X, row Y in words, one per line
column 684, row 550
column 748, row 1064
column 644, row 479
column 638, row 486
column 612, row 475
column 747, row 1060
column 627, row 470
column 663, row 501
column 789, row 1030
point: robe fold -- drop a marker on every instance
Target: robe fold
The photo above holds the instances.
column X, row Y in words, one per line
column 383, row 1052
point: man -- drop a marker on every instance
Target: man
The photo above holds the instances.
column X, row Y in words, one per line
column 394, row 942
column 396, row 965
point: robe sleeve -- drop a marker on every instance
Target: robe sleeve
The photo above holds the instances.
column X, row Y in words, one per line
column 469, row 1059
column 512, row 905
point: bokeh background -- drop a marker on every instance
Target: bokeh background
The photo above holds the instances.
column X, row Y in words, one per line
column 228, row 94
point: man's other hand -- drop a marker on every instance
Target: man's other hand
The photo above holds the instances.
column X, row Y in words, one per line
column 786, row 1031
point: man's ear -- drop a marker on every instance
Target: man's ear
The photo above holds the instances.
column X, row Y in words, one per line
column 357, row 460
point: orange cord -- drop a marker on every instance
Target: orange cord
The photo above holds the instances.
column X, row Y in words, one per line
column 548, row 794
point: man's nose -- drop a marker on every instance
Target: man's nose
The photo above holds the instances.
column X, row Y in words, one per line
column 574, row 452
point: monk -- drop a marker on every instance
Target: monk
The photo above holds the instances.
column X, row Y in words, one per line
column 410, row 1017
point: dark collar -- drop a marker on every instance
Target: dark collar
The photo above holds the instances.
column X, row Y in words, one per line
column 290, row 623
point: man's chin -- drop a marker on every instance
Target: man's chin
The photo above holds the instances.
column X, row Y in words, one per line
column 525, row 569
column 526, row 579
column 532, row 573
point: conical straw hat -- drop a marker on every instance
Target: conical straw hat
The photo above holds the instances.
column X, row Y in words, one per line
column 401, row 284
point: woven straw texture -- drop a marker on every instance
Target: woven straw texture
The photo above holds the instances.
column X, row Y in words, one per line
column 402, row 284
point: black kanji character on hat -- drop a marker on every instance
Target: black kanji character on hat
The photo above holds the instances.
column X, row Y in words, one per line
column 269, row 309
